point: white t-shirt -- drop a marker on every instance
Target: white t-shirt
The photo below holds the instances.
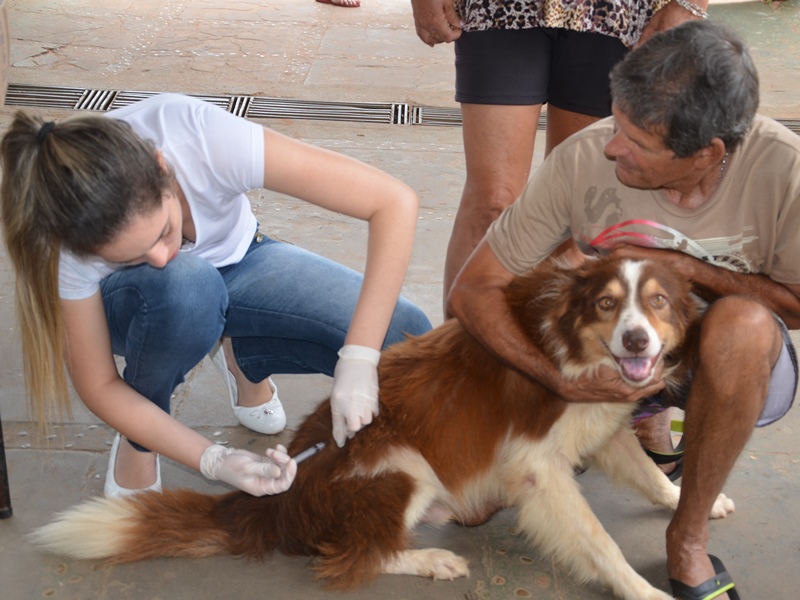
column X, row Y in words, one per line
column 217, row 157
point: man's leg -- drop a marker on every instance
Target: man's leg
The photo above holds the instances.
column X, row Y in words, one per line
column 740, row 342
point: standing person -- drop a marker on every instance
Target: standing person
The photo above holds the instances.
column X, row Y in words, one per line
column 511, row 58
column 684, row 173
column 131, row 234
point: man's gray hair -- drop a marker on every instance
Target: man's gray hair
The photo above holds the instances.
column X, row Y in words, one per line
column 696, row 81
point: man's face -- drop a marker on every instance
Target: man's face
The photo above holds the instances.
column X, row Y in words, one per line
column 642, row 159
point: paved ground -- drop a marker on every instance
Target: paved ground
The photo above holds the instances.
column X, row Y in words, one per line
column 301, row 49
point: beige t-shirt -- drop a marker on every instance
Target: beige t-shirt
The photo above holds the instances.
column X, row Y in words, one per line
column 751, row 223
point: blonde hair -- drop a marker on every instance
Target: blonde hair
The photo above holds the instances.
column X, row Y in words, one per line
column 71, row 185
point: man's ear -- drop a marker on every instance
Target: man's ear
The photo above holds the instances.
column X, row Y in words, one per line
column 710, row 155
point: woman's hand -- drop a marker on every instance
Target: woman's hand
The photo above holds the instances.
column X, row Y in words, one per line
column 354, row 399
column 436, row 21
column 248, row 471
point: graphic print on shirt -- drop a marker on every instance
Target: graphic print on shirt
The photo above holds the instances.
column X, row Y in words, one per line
column 604, row 230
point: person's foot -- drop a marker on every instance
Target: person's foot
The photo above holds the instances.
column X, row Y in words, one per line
column 655, row 434
column 690, row 565
column 344, row 3
column 249, row 394
column 255, row 405
column 130, row 471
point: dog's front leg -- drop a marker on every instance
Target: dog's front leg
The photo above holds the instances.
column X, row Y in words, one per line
column 556, row 518
column 625, row 463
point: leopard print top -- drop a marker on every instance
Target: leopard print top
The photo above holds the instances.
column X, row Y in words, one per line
column 623, row 19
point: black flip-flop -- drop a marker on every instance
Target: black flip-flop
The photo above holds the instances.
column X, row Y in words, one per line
column 721, row 583
column 665, row 458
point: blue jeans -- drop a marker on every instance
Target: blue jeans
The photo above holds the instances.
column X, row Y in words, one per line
column 288, row 311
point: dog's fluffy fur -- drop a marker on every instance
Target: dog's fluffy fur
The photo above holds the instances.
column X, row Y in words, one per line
column 460, row 435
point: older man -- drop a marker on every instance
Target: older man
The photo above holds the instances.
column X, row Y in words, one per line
column 685, row 173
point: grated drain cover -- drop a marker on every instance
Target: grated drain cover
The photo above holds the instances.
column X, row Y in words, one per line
column 259, row 107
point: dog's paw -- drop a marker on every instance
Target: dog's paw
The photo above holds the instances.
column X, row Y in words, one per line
column 430, row 562
column 440, row 564
column 722, row 507
column 447, row 565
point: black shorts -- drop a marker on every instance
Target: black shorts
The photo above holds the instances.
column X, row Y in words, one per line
column 567, row 69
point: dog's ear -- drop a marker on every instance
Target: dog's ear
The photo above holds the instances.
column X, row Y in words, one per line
column 580, row 288
column 539, row 298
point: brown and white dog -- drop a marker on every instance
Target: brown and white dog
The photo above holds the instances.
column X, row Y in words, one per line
column 460, row 435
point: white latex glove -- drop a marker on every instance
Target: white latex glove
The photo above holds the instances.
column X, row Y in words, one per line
column 248, row 471
column 354, row 398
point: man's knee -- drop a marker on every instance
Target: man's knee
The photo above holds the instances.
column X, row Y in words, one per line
column 739, row 321
column 739, row 336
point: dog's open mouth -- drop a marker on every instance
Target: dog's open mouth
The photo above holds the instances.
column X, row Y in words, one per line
column 637, row 369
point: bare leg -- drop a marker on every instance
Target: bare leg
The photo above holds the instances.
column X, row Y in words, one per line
column 498, row 147
column 562, row 123
column 134, row 470
column 654, row 433
column 249, row 393
column 739, row 344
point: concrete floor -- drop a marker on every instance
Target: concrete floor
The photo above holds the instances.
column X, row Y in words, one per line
column 305, row 50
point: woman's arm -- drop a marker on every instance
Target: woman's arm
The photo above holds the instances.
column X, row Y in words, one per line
column 95, row 378
column 345, row 185
column 97, row 382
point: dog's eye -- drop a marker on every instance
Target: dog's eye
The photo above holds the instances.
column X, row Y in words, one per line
column 659, row 301
column 606, row 303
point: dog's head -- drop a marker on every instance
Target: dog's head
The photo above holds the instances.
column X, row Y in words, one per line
column 627, row 314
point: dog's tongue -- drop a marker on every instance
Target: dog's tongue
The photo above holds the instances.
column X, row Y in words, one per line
column 636, row 369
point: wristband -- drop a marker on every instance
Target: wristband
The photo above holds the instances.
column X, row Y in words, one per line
column 370, row 355
column 692, row 8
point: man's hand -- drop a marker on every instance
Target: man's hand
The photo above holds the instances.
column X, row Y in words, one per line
column 436, row 21
column 607, row 386
column 248, row 471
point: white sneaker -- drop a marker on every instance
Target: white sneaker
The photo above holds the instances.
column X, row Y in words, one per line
column 266, row 418
column 112, row 489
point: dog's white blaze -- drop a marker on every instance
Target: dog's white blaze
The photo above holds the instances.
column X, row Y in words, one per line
column 631, row 315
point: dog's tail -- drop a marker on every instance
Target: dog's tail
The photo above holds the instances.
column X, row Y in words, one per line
column 149, row 525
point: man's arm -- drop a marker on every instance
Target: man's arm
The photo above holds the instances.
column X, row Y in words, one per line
column 477, row 300
column 710, row 282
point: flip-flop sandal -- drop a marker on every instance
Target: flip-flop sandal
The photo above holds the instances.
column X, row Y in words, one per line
column 336, row 4
column 665, row 458
column 720, row 584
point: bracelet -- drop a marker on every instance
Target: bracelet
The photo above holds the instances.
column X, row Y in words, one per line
column 692, row 8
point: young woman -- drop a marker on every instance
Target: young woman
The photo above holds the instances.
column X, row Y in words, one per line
column 131, row 235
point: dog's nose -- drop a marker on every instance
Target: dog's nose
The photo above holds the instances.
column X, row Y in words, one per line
column 635, row 340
